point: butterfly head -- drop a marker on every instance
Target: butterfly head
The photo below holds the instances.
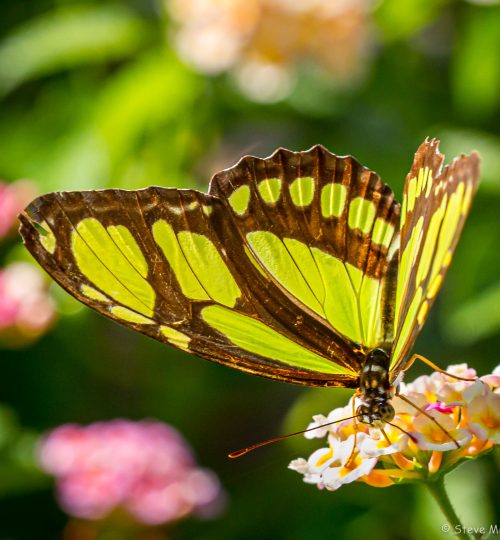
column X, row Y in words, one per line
column 375, row 413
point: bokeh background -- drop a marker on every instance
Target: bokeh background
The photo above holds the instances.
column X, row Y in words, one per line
column 139, row 92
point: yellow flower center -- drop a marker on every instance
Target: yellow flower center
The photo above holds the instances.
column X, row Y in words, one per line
column 325, row 458
column 438, row 436
column 489, row 420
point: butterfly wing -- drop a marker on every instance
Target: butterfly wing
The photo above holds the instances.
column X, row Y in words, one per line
column 436, row 202
column 177, row 265
column 323, row 229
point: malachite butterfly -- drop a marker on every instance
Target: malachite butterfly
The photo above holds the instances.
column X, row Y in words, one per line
column 300, row 267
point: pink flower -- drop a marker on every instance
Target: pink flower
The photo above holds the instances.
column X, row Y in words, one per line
column 440, row 407
column 13, row 198
column 144, row 468
column 428, row 435
column 26, row 310
column 483, row 414
column 493, row 380
column 452, row 420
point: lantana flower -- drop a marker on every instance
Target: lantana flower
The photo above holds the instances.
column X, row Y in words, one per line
column 440, row 422
column 26, row 309
column 453, row 420
column 145, row 469
column 13, row 198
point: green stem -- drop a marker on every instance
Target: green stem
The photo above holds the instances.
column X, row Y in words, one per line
column 438, row 491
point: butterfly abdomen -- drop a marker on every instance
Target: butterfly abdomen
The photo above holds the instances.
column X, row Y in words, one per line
column 375, row 389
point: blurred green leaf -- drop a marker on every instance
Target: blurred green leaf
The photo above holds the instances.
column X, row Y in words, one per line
column 399, row 19
column 466, row 488
column 456, row 141
column 66, row 38
column 8, row 426
column 19, row 472
column 154, row 90
column 476, row 63
column 66, row 304
column 477, row 319
column 16, row 479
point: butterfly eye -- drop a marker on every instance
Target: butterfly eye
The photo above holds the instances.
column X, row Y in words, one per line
column 386, row 412
column 362, row 409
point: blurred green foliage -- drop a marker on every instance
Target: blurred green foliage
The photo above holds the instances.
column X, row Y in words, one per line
column 92, row 95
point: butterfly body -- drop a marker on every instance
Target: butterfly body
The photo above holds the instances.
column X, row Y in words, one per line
column 300, row 267
column 375, row 389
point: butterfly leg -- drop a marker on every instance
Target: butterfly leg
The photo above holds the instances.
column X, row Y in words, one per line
column 356, row 429
column 355, row 395
column 386, row 437
column 350, row 461
column 434, row 367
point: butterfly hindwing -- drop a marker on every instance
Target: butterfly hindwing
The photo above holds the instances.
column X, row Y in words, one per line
column 162, row 262
column 436, row 202
column 324, row 229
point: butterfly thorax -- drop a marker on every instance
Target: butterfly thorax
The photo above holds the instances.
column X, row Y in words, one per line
column 375, row 389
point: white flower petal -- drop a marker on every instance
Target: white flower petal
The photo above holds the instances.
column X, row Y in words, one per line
column 300, row 465
column 461, row 436
column 320, row 460
column 332, row 479
column 374, row 448
column 477, row 388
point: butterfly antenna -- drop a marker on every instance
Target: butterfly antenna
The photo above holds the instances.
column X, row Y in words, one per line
column 243, row 451
column 404, row 431
column 430, row 417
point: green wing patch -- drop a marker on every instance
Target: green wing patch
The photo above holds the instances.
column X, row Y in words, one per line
column 114, row 264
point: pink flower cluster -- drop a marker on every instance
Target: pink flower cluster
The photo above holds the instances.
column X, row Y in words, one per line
column 13, row 198
column 455, row 420
column 144, row 468
column 26, row 310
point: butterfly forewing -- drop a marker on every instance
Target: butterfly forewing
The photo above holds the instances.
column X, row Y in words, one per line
column 163, row 262
column 323, row 228
column 436, row 202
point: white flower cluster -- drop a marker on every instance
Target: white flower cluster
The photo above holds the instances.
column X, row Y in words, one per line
column 452, row 420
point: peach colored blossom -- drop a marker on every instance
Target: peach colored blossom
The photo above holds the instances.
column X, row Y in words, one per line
column 262, row 41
